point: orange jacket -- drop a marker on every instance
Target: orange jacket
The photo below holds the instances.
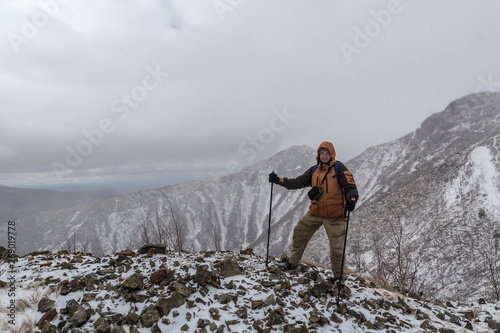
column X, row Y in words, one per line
column 331, row 204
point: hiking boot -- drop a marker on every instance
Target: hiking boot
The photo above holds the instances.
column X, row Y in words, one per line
column 286, row 266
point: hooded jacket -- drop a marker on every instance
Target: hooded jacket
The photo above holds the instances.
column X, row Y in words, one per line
column 331, row 204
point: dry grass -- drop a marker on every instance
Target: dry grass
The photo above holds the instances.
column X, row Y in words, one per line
column 27, row 326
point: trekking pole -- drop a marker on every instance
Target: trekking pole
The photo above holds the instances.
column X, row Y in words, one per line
column 269, row 227
column 343, row 256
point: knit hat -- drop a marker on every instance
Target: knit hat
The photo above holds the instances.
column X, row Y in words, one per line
column 324, row 150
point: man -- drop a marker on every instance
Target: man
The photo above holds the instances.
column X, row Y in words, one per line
column 329, row 209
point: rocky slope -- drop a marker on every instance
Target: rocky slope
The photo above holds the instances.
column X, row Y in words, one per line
column 153, row 290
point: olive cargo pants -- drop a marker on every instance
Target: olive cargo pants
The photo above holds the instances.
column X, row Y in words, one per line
column 305, row 229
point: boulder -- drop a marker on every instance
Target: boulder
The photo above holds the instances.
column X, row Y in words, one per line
column 134, row 282
column 157, row 248
column 149, row 316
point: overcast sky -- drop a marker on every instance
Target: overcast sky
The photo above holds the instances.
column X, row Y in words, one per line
column 142, row 94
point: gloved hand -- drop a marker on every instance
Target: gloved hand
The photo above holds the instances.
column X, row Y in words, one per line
column 350, row 203
column 273, row 178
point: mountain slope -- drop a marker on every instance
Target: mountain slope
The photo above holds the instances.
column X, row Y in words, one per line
column 236, row 207
column 218, row 292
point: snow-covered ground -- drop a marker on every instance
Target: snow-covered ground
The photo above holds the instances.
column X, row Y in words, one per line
column 203, row 295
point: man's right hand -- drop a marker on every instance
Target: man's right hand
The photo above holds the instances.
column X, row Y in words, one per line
column 273, row 178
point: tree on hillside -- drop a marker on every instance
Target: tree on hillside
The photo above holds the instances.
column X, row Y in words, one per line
column 163, row 225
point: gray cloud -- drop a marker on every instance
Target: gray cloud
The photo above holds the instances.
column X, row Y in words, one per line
column 88, row 68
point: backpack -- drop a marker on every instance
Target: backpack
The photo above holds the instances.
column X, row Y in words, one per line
column 337, row 169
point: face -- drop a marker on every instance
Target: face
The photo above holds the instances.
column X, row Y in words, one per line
column 324, row 156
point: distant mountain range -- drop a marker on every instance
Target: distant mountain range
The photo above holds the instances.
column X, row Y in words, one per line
column 428, row 212
column 17, row 203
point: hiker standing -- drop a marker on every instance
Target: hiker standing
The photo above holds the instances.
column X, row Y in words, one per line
column 337, row 194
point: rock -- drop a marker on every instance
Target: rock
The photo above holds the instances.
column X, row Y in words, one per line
column 71, row 307
column 47, row 318
column 446, row 330
column 155, row 329
column 66, row 265
column 242, row 312
column 134, row 282
column 184, row 327
column 182, row 289
column 157, row 248
column 149, row 316
column 127, row 252
column 114, row 317
column 167, row 304
column 276, row 317
column 257, row 304
column 117, row 329
column 468, row 314
column 269, row 300
column 202, row 323
column 48, row 328
column 45, row 304
column 67, row 287
column 162, row 277
column 225, row 298
column 335, row 318
column 455, row 320
column 493, row 324
column 79, row 318
column 203, row 276
column 295, row 329
column 101, row 325
column 90, row 281
column 229, row 267
column 132, row 318
column 321, row 289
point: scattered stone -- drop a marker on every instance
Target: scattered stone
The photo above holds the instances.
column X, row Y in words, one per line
column 101, row 325
column 117, row 329
column 257, row 304
column 166, row 304
column 79, row 318
column 202, row 323
column 149, row 316
column 276, row 317
column 156, row 329
column 184, row 327
column 446, row 330
column 162, row 277
column 494, row 324
column 229, row 267
column 90, row 281
column 242, row 312
column 156, row 248
column 45, row 304
column 134, row 282
column 225, row 298
column 182, row 289
column 47, row 318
